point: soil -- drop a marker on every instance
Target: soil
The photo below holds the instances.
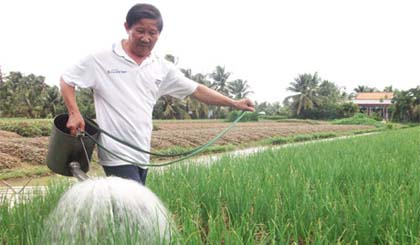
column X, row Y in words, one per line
column 17, row 152
column 187, row 133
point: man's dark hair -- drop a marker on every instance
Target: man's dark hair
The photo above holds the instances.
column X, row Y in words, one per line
column 144, row 11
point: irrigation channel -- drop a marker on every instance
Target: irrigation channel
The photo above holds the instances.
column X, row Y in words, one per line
column 16, row 193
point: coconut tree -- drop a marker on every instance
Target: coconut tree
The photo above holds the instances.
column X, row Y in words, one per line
column 389, row 89
column 201, row 109
column 1, row 77
column 22, row 95
column 168, row 107
column 84, row 98
column 52, row 101
column 403, row 101
column 195, row 108
column 364, row 89
column 416, row 113
column 305, row 89
column 239, row 88
column 220, row 83
column 8, row 97
column 220, row 80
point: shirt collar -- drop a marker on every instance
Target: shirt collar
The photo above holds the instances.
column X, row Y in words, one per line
column 118, row 50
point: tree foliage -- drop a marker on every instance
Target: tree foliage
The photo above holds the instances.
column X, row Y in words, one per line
column 170, row 108
column 239, row 88
column 306, row 93
column 28, row 96
column 318, row 99
column 407, row 105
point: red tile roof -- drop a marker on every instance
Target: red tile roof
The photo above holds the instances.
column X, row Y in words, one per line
column 375, row 96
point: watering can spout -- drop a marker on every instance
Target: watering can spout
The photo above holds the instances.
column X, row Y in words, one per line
column 77, row 172
column 70, row 155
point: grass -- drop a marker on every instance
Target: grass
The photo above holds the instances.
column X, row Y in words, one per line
column 25, row 172
column 22, row 223
column 359, row 190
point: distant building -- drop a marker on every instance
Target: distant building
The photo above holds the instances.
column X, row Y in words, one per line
column 377, row 102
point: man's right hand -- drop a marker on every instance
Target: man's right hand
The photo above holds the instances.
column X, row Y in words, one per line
column 75, row 122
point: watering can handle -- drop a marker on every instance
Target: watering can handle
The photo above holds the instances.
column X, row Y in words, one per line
column 80, row 133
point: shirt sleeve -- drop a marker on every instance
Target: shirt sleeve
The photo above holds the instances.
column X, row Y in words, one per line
column 82, row 74
column 176, row 84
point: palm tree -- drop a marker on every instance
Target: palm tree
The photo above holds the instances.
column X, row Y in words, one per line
column 193, row 107
column 1, row 77
column 52, row 100
column 220, row 77
column 364, row 89
column 187, row 73
column 168, row 107
column 404, row 102
column 239, row 88
column 416, row 113
column 305, row 88
column 389, row 89
column 201, row 79
column 25, row 93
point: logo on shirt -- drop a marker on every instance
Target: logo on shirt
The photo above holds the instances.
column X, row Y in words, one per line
column 158, row 82
column 116, row 71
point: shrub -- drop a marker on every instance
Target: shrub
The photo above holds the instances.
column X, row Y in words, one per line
column 358, row 119
column 29, row 131
column 279, row 140
column 325, row 135
column 45, row 129
column 348, row 109
column 302, row 137
column 390, row 126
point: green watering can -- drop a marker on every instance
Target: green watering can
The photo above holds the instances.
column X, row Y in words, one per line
column 66, row 150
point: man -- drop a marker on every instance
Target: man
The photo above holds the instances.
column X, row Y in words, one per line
column 127, row 81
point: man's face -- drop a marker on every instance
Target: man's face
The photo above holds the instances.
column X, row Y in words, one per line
column 142, row 36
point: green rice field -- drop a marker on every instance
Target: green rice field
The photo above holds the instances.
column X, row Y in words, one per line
column 360, row 190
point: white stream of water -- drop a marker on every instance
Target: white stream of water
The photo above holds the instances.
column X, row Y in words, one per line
column 108, row 211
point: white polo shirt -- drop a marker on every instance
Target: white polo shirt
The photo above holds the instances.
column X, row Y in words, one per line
column 124, row 94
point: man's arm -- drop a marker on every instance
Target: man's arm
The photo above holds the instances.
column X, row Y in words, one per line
column 75, row 121
column 212, row 97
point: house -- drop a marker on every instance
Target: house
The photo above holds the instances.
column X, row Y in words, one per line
column 377, row 102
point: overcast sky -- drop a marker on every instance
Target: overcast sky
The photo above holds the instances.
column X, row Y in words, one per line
column 268, row 43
